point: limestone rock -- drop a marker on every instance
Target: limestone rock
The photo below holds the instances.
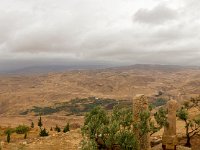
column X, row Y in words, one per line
column 169, row 139
column 140, row 104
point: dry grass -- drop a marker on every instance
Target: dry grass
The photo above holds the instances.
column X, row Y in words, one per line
column 56, row 141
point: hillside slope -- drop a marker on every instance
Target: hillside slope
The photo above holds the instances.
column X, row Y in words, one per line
column 21, row 92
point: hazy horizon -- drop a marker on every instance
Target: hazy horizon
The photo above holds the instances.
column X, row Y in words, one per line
column 94, row 32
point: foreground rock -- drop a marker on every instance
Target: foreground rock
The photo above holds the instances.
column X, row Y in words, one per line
column 169, row 139
column 159, row 147
column 140, row 104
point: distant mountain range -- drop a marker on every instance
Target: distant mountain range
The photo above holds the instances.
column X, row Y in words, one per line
column 51, row 68
column 62, row 68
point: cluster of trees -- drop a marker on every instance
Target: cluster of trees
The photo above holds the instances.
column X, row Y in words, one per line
column 108, row 130
column 23, row 129
column 104, row 130
column 44, row 132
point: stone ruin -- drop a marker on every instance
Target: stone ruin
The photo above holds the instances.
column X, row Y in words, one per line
column 169, row 138
column 140, row 103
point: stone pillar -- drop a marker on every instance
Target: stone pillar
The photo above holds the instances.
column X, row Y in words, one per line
column 140, row 103
column 169, row 139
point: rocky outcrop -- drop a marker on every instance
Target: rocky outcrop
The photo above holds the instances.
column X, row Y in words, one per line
column 169, row 138
column 140, row 104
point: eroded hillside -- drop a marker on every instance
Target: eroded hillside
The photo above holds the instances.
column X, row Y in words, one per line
column 21, row 92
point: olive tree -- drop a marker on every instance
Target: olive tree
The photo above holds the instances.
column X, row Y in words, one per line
column 192, row 125
column 110, row 130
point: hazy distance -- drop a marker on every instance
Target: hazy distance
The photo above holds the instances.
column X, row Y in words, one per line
column 98, row 33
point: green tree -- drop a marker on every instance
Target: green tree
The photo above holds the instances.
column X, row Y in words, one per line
column 32, row 124
column 95, row 121
column 192, row 126
column 8, row 133
column 8, row 137
column 89, row 144
column 57, row 128
column 66, row 128
column 161, row 120
column 120, row 129
column 40, row 122
column 22, row 129
column 104, row 131
column 43, row 132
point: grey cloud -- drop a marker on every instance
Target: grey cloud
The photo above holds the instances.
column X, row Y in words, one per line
column 159, row 57
column 98, row 31
column 158, row 15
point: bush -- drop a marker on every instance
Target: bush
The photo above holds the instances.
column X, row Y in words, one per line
column 43, row 132
column 102, row 131
column 32, row 125
column 192, row 126
column 22, row 129
column 40, row 122
column 57, row 128
column 88, row 145
column 66, row 128
column 8, row 137
column 8, row 132
column 114, row 130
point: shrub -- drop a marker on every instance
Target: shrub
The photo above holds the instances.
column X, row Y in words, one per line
column 114, row 130
column 192, row 126
column 57, row 128
column 40, row 122
column 32, row 125
column 66, row 128
column 88, row 145
column 161, row 121
column 22, row 129
column 8, row 132
column 8, row 137
column 102, row 131
column 43, row 132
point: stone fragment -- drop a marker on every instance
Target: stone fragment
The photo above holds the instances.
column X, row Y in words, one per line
column 140, row 104
column 169, row 138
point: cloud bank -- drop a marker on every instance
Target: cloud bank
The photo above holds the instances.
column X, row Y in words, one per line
column 114, row 31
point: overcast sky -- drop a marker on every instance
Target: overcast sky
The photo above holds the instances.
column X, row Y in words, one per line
column 36, row 32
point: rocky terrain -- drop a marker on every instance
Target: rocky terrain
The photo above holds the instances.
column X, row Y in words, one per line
column 21, row 94
column 55, row 141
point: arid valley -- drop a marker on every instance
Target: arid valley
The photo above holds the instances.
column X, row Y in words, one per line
column 63, row 97
column 99, row 75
